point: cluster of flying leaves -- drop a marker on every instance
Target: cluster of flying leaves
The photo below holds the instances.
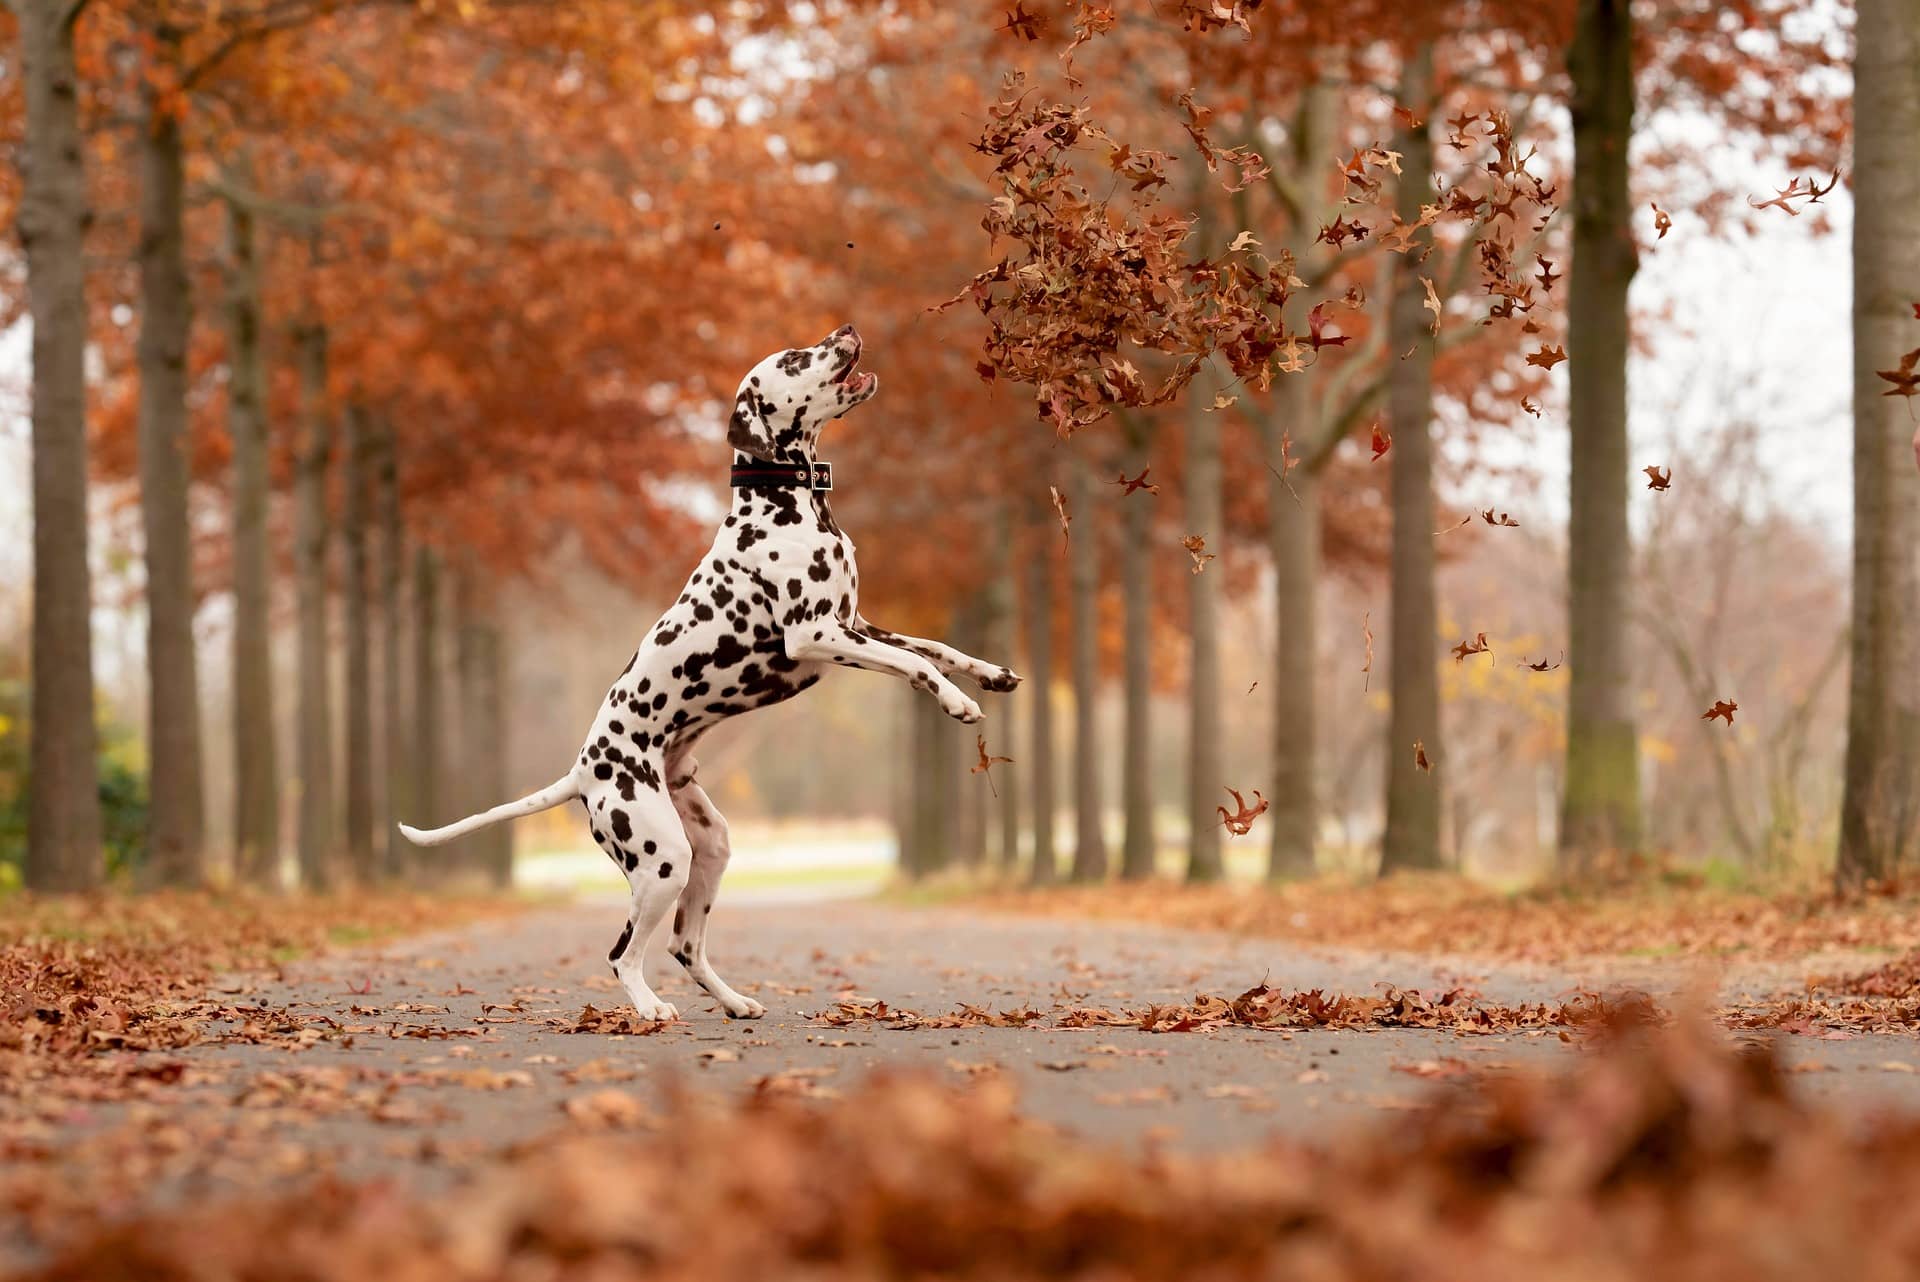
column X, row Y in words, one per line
column 1091, row 279
column 1666, row 1154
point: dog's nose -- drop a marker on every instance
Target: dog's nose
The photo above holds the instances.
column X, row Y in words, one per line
column 845, row 331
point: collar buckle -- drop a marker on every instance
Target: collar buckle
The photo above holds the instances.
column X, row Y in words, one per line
column 822, row 480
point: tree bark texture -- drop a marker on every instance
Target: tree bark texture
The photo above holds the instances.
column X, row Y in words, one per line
column 313, row 758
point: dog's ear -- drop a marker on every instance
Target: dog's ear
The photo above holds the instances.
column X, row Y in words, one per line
column 750, row 430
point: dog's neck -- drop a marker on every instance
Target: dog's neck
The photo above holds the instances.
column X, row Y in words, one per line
column 796, row 455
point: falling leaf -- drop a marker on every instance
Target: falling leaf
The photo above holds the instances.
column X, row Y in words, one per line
column 1251, row 688
column 1656, row 479
column 1221, row 402
column 1456, row 525
column 1476, row 646
column 1026, row 25
column 1721, row 708
column 1548, row 278
column 1060, row 509
column 1547, row 357
column 1662, row 224
column 1317, row 338
column 1139, row 482
column 1244, row 240
column 1420, row 756
column 1382, row 442
column 1526, row 403
column 1905, row 379
column 1504, row 519
column 1366, row 628
column 1541, row 665
column 1196, row 546
column 1241, row 820
column 1798, row 189
column 1432, row 304
column 985, row 765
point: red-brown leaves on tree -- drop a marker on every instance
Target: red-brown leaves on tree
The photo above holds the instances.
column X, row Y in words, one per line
column 1476, row 646
column 1240, row 821
column 1657, row 479
column 1721, row 708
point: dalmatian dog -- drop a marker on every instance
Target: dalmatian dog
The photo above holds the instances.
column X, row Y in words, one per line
column 772, row 606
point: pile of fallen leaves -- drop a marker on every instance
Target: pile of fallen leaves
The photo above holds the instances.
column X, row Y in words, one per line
column 1666, row 1155
column 111, row 972
column 1264, row 1006
column 1449, row 914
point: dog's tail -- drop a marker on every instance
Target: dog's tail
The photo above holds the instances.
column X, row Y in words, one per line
column 563, row 789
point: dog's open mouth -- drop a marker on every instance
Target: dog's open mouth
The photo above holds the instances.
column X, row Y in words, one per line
column 850, row 376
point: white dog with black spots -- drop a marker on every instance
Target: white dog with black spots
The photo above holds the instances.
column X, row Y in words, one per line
column 770, row 607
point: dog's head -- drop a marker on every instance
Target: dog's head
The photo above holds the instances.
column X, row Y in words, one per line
column 787, row 398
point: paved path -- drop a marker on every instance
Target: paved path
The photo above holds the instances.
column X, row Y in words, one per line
column 1204, row 1090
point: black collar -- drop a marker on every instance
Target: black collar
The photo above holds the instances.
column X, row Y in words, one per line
column 811, row 476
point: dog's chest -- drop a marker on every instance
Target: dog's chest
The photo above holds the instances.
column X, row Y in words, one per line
column 796, row 552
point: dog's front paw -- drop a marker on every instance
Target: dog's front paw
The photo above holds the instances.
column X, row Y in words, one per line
column 664, row 1012
column 1000, row 680
column 743, row 1008
column 959, row 707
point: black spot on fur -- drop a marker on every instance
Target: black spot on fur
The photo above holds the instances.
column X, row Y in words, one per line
column 666, row 869
column 620, row 945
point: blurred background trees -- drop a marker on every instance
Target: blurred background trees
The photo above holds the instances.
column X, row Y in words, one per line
column 378, row 351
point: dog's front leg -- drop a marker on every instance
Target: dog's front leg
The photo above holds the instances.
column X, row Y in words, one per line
column 827, row 641
column 988, row 676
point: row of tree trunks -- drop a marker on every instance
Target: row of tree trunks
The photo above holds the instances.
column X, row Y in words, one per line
column 1412, row 837
column 313, row 758
column 1205, row 772
column 1038, row 611
column 480, row 671
column 1138, row 844
column 256, row 820
column 396, row 791
column 355, row 514
column 63, row 806
column 175, row 830
column 1083, row 600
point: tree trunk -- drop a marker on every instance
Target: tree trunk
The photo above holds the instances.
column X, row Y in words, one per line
column 63, row 802
column 359, row 692
column 973, row 812
column 426, row 690
column 1205, row 776
column 1601, row 812
column 392, row 709
column 1083, row 604
column 256, row 818
column 175, row 824
column 1136, row 588
column 1882, row 796
column 1006, row 628
column 487, row 855
column 1293, row 530
column 1039, row 612
column 314, row 758
column 1412, row 838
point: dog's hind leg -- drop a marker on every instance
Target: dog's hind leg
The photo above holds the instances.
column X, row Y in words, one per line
column 634, row 822
column 707, row 835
